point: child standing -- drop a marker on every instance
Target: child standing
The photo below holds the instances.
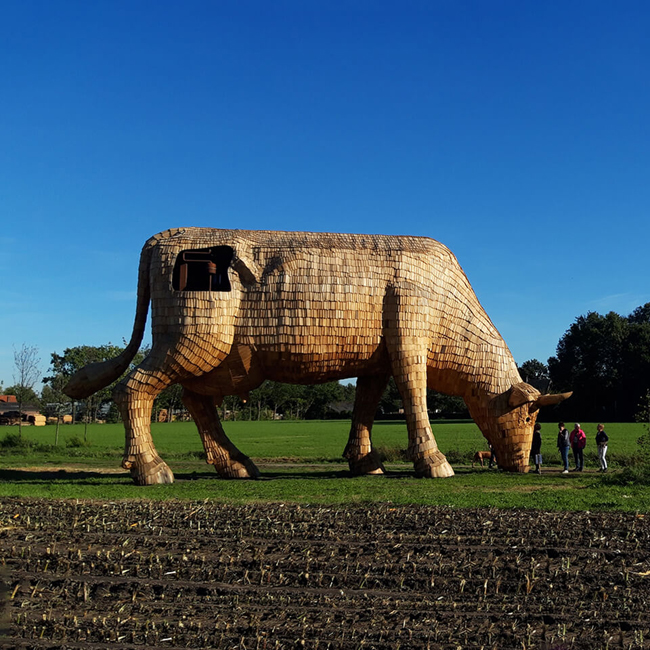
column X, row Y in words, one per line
column 601, row 440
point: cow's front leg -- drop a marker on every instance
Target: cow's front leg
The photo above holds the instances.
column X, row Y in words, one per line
column 408, row 356
column 428, row 460
column 362, row 458
column 220, row 451
column 134, row 398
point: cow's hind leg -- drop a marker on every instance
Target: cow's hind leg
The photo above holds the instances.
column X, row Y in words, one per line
column 134, row 398
column 221, row 452
column 362, row 458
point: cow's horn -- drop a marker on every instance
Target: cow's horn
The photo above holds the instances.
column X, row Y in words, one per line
column 549, row 400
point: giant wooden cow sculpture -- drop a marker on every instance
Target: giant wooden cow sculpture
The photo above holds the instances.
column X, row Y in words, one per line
column 231, row 308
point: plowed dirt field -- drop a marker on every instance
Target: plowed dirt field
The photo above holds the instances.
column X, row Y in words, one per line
column 138, row 574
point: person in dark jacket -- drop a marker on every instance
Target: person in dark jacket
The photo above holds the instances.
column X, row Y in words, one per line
column 536, row 449
column 601, row 440
column 563, row 445
column 493, row 457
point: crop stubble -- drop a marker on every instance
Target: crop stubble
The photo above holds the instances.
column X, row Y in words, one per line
column 202, row 574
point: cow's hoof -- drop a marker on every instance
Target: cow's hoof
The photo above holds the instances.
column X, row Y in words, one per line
column 243, row 467
column 433, row 466
column 368, row 464
column 153, row 471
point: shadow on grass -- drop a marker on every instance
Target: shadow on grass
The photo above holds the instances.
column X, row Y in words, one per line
column 83, row 476
column 48, row 476
column 44, row 476
column 315, row 474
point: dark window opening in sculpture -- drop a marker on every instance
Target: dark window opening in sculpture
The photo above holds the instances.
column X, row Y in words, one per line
column 203, row 269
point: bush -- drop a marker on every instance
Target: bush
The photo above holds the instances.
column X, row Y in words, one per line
column 633, row 475
column 16, row 441
column 623, row 460
column 391, row 454
column 397, row 454
column 637, row 472
column 458, row 457
column 76, row 441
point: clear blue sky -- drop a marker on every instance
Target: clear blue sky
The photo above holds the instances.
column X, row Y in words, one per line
column 515, row 132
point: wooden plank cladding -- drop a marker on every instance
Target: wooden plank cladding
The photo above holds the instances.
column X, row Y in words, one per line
column 304, row 307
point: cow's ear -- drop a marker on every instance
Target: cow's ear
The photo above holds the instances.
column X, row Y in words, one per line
column 246, row 269
column 522, row 393
column 549, row 400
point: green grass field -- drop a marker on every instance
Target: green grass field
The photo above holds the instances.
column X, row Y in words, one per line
column 307, row 440
column 301, row 462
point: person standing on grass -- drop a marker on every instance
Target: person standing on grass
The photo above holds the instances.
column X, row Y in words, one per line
column 578, row 441
column 601, row 440
column 536, row 449
column 563, row 445
column 493, row 457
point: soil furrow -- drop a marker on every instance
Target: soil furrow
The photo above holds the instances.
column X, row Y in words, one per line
column 201, row 574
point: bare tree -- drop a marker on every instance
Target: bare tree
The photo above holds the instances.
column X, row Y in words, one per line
column 53, row 393
column 26, row 374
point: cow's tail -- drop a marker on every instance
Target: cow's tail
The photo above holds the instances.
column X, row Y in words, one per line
column 96, row 376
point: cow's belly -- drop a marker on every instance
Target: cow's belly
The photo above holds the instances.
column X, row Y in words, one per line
column 247, row 366
column 323, row 338
column 333, row 361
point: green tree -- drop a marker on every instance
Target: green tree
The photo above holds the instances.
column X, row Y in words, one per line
column 439, row 403
column 73, row 359
column 297, row 400
column 259, row 399
column 536, row 374
column 170, row 399
column 349, row 392
column 29, row 395
column 605, row 361
column 278, row 396
column 446, row 406
column 641, row 315
column 325, row 395
column 391, row 400
column 317, row 398
column 231, row 407
column 635, row 380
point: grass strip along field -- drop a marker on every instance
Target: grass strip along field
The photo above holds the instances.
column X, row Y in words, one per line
column 301, row 462
column 312, row 440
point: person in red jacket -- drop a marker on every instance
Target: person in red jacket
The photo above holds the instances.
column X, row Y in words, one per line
column 578, row 440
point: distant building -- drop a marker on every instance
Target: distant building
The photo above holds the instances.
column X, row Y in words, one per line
column 341, row 408
column 9, row 413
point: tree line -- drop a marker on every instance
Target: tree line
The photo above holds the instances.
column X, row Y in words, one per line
column 603, row 359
